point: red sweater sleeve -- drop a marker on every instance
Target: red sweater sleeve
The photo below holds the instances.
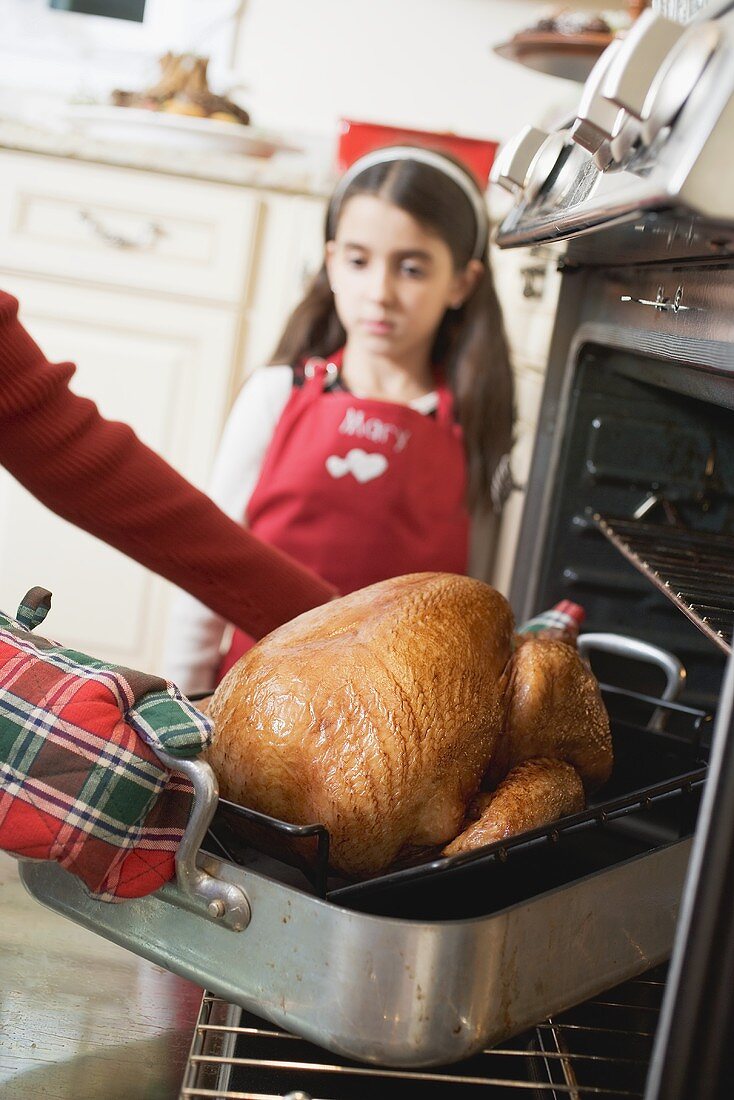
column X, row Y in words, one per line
column 97, row 474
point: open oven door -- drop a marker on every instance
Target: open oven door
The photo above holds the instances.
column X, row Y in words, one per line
column 693, row 1056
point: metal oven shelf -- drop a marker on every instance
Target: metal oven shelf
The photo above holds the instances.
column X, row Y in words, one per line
column 693, row 569
column 600, row 1048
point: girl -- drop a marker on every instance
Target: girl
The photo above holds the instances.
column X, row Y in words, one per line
column 364, row 457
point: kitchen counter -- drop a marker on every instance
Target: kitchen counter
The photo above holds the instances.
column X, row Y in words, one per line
column 291, row 173
column 80, row 1018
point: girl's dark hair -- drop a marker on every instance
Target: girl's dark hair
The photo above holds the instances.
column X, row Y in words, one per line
column 470, row 343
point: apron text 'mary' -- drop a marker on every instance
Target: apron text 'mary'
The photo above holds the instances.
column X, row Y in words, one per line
column 360, row 490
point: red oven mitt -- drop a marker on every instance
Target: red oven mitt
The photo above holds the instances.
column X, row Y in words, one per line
column 81, row 783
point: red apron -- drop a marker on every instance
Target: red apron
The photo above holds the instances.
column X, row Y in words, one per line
column 359, row 489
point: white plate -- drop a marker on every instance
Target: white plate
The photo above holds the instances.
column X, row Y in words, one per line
column 158, row 127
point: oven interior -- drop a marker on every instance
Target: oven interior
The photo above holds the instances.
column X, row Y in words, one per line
column 661, row 461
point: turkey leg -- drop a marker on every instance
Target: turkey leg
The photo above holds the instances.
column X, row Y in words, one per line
column 534, row 793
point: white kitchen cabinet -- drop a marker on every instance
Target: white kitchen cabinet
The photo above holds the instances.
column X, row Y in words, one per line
column 162, row 367
column 165, row 292
column 116, row 226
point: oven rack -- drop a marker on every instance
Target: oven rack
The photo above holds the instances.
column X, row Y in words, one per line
column 693, row 569
column 599, row 1049
column 638, row 782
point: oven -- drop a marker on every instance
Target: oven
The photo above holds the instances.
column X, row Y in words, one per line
column 630, row 512
column 538, row 966
column 630, row 496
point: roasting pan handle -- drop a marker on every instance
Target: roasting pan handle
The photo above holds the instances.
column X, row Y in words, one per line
column 637, row 650
column 225, row 902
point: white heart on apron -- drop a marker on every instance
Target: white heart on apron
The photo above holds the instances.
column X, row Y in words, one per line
column 337, row 466
column 362, row 465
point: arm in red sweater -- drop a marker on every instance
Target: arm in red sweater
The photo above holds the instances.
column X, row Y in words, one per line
column 97, row 474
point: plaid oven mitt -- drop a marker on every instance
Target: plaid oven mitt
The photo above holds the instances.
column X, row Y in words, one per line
column 81, row 783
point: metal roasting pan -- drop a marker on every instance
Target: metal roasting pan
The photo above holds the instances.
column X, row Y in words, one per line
column 390, row 991
column 386, row 989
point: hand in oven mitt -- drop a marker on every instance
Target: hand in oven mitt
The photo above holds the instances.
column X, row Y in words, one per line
column 81, row 783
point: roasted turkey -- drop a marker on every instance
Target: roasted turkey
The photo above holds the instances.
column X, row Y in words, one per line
column 382, row 714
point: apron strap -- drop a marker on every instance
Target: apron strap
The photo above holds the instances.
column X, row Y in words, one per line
column 445, row 407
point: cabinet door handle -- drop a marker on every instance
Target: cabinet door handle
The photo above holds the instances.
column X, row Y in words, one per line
column 147, row 239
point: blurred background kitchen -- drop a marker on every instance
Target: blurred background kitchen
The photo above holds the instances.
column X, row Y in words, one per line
column 162, row 249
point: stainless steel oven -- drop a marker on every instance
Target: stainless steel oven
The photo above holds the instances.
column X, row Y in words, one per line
column 631, row 493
